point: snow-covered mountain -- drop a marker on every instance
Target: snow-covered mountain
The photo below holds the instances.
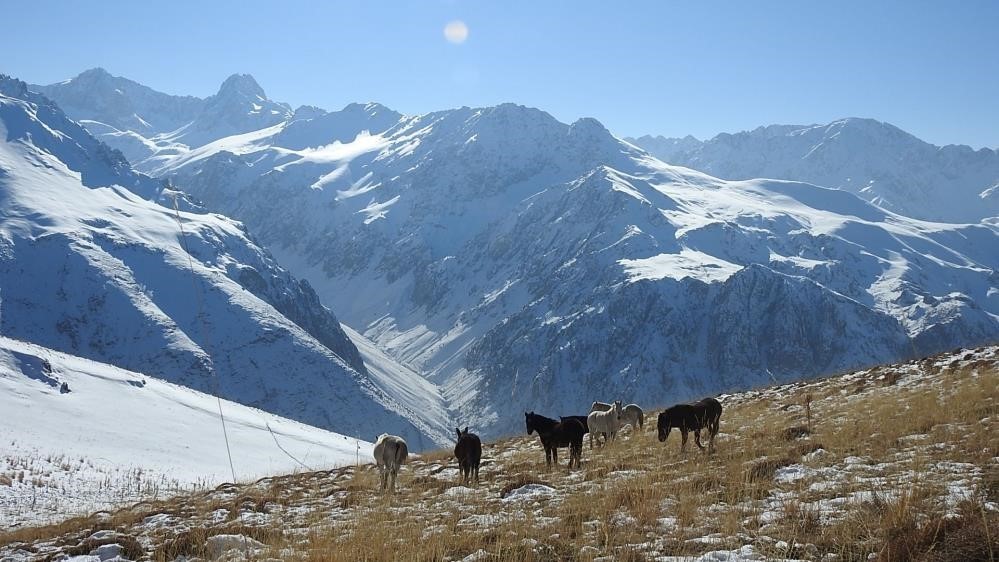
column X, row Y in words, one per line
column 86, row 435
column 525, row 263
column 879, row 162
column 145, row 124
column 91, row 265
column 530, row 264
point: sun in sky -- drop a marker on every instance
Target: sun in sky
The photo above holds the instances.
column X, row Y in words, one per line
column 456, row 32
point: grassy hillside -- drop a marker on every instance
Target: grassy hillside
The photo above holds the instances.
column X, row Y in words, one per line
column 896, row 463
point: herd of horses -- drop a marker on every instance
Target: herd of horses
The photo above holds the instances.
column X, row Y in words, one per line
column 603, row 421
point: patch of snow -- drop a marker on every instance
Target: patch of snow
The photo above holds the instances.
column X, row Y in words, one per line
column 686, row 263
column 530, row 492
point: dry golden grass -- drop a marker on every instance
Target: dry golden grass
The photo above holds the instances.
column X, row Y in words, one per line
column 637, row 496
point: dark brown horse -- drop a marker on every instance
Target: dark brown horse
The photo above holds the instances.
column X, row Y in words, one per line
column 692, row 417
column 580, row 419
column 468, row 451
column 555, row 434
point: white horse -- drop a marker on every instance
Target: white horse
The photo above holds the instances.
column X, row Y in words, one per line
column 600, row 407
column 605, row 422
column 390, row 453
column 634, row 415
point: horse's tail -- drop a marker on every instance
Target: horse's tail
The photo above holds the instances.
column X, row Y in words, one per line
column 401, row 452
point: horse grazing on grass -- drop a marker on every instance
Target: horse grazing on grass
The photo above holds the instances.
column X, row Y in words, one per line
column 634, row 415
column 555, row 434
column 390, row 453
column 606, row 423
column 691, row 417
column 468, row 451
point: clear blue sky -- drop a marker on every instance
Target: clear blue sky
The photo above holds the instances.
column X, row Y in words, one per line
column 656, row 67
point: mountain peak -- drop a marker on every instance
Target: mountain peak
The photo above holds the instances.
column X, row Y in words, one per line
column 241, row 85
column 96, row 72
column 308, row 112
column 91, row 78
column 589, row 124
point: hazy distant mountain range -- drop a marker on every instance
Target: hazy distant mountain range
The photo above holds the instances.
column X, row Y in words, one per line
column 880, row 163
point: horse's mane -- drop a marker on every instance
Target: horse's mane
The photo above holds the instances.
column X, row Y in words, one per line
column 541, row 418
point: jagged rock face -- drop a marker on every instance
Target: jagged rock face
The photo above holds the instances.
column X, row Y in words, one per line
column 524, row 263
column 89, row 267
column 879, row 162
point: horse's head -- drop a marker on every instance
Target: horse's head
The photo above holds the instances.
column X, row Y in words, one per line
column 529, row 418
column 664, row 426
column 617, row 408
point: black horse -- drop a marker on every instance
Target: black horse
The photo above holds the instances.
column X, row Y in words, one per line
column 468, row 451
column 692, row 417
column 555, row 434
column 582, row 420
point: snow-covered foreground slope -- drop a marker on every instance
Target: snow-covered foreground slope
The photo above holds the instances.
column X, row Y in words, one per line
column 879, row 162
column 90, row 436
column 89, row 267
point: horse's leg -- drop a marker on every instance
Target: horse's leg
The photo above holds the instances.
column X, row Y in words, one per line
column 697, row 438
column 683, row 443
column 555, row 456
column 548, row 457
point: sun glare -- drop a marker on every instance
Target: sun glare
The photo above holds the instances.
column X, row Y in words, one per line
column 456, row 32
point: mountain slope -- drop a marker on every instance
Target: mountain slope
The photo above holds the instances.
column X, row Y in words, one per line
column 526, row 263
column 110, row 427
column 868, row 465
column 879, row 162
column 93, row 269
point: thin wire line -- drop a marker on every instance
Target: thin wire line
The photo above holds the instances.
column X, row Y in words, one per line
column 200, row 306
